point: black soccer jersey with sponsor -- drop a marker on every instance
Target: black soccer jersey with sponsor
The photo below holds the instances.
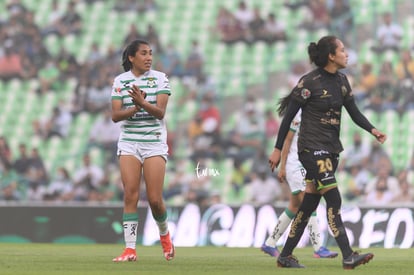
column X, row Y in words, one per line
column 321, row 96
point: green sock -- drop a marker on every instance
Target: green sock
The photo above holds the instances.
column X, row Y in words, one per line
column 162, row 223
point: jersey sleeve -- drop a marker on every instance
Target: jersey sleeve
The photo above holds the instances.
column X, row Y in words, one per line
column 301, row 92
column 346, row 89
column 164, row 85
column 116, row 91
column 292, row 109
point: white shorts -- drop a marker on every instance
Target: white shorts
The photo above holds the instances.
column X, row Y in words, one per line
column 142, row 150
column 296, row 179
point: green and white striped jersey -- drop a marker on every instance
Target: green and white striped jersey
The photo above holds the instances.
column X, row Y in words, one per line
column 142, row 127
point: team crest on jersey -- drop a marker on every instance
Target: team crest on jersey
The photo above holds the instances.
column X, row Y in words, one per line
column 117, row 90
column 305, row 93
column 151, row 82
column 344, row 90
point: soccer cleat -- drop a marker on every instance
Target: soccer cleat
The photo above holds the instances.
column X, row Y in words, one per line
column 356, row 259
column 129, row 255
column 324, row 252
column 167, row 247
column 272, row 251
column 289, row 261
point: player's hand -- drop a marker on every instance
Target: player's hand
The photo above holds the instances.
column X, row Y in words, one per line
column 138, row 95
column 281, row 175
column 381, row 137
column 274, row 159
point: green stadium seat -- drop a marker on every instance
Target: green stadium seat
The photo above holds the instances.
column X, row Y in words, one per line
column 408, row 38
column 382, row 6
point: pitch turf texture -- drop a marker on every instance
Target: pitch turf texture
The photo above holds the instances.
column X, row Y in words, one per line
column 44, row 259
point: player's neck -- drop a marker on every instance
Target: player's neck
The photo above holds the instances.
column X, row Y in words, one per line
column 137, row 73
column 330, row 68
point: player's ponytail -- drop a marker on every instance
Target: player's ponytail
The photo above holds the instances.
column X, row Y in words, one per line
column 126, row 64
column 283, row 103
column 130, row 50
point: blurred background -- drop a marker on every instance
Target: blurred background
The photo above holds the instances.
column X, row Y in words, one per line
column 228, row 62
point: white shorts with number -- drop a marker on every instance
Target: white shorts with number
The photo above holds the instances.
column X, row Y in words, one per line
column 142, row 150
column 296, row 179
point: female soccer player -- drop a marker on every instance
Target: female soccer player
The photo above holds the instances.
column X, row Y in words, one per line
column 139, row 100
column 321, row 94
column 292, row 172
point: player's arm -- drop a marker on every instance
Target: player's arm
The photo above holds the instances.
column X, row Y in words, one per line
column 362, row 121
column 158, row 110
column 292, row 108
column 284, row 155
column 118, row 113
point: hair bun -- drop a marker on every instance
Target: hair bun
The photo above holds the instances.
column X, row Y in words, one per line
column 313, row 45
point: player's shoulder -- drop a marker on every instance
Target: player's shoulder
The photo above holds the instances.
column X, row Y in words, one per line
column 124, row 76
column 309, row 77
column 153, row 76
column 342, row 76
column 156, row 73
column 315, row 73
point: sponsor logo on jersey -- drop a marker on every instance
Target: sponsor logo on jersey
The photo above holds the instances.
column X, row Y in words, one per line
column 320, row 152
column 325, row 94
column 166, row 85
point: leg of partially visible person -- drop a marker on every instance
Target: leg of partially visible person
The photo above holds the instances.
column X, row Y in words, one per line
column 293, row 175
column 269, row 246
column 131, row 169
column 154, row 173
column 320, row 251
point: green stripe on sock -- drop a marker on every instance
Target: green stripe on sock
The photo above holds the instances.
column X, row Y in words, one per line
column 161, row 218
column 289, row 213
column 130, row 217
column 313, row 214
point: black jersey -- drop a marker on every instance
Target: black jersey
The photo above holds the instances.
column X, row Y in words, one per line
column 321, row 96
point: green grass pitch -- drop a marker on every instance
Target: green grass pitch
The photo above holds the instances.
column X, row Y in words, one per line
column 56, row 259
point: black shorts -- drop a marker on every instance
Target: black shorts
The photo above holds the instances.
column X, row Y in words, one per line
column 320, row 167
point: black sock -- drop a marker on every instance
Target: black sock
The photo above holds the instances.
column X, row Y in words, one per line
column 309, row 204
column 333, row 212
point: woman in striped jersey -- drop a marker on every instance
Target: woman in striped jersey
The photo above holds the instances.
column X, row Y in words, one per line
column 139, row 100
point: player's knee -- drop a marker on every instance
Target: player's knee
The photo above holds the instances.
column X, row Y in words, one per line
column 333, row 199
column 131, row 197
column 156, row 205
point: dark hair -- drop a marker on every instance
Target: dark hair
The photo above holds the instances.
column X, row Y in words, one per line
column 283, row 103
column 130, row 50
column 318, row 53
